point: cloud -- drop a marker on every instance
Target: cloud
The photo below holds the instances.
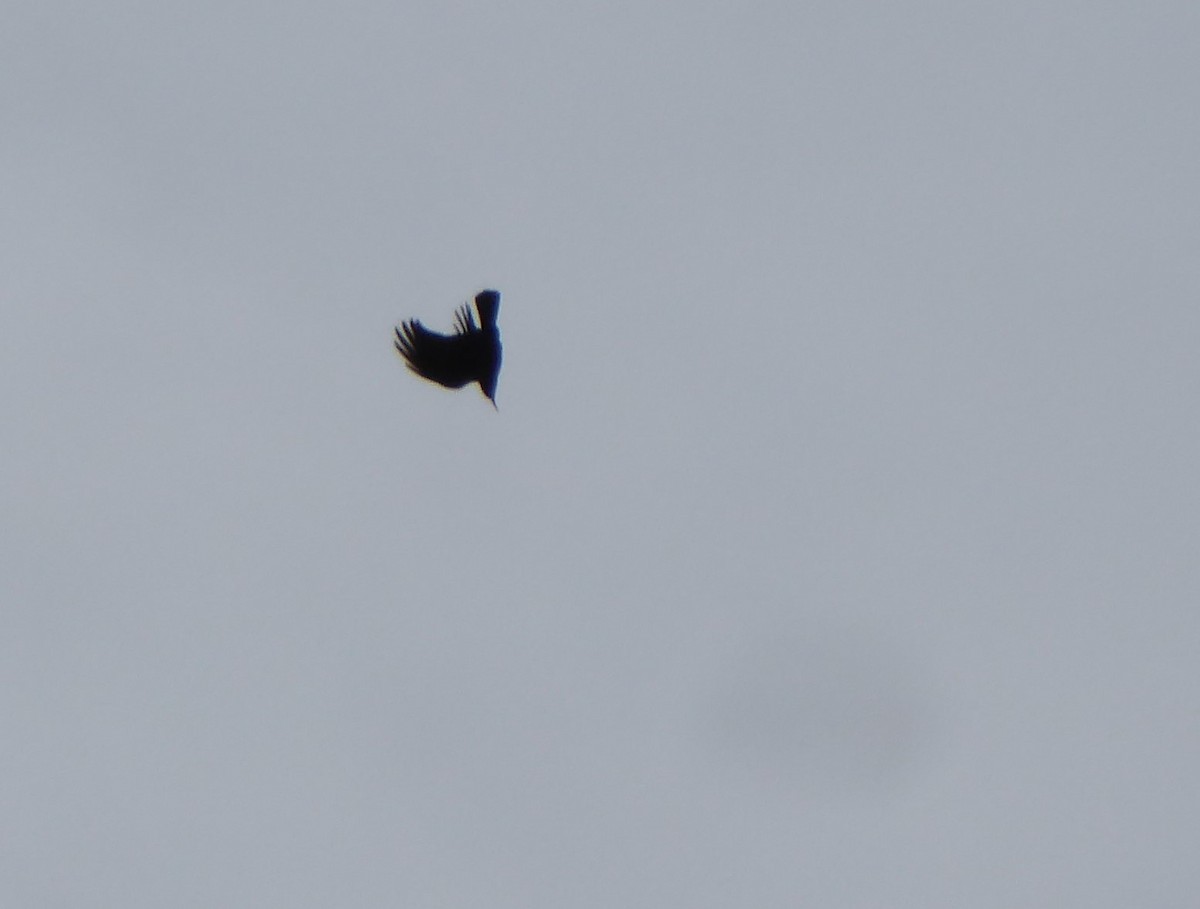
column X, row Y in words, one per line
column 813, row 705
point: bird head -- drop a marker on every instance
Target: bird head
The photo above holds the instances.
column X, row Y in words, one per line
column 489, row 390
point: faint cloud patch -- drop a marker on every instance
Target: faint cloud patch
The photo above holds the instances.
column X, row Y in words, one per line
column 826, row 706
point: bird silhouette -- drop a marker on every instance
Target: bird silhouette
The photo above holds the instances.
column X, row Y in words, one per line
column 471, row 354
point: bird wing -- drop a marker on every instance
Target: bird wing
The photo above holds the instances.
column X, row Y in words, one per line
column 464, row 321
column 445, row 359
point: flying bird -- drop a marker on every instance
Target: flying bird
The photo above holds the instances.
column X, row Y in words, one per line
column 471, row 354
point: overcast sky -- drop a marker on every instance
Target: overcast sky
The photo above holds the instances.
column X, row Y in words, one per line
column 835, row 543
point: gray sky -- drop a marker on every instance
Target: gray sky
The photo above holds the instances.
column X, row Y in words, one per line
column 835, row 543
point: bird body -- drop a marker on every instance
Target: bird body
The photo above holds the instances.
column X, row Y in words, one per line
column 471, row 354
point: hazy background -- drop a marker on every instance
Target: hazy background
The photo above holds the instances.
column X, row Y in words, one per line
column 835, row 543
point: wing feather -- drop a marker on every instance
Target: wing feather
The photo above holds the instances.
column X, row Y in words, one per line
column 437, row 357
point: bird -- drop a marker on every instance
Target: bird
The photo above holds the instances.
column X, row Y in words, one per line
column 471, row 354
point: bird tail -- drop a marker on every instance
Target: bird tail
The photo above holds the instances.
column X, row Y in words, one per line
column 488, row 304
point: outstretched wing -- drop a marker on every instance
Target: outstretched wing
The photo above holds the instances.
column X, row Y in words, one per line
column 445, row 359
column 464, row 320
